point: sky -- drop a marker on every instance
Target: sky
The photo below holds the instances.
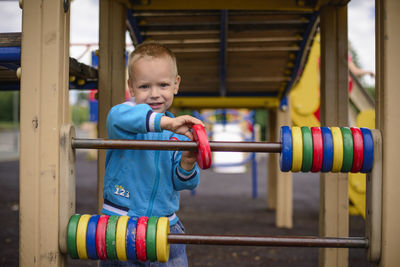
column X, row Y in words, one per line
column 84, row 28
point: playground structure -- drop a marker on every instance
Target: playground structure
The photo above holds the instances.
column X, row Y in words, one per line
column 305, row 104
column 355, row 150
column 44, row 110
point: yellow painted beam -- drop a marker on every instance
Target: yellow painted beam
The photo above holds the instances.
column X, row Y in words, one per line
column 276, row 5
column 226, row 102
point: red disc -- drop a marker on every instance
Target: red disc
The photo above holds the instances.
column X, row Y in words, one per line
column 358, row 148
column 204, row 151
column 101, row 237
column 141, row 230
column 318, row 151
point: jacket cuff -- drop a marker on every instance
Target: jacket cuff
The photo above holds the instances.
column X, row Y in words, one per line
column 185, row 175
column 153, row 121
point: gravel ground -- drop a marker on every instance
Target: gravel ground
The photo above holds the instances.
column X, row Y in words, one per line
column 222, row 204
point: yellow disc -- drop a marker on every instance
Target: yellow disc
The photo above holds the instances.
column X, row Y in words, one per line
column 162, row 239
column 120, row 238
column 337, row 149
column 297, row 139
column 81, row 236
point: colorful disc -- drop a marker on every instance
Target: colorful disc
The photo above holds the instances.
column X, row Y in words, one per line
column 318, row 152
column 203, row 154
column 151, row 239
column 71, row 236
column 131, row 238
column 101, row 237
column 368, row 150
column 327, row 158
column 120, row 241
column 337, row 149
column 285, row 157
column 358, row 148
column 297, row 140
column 91, row 237
column 110, row 237
column 141, row 238
column 347, row 149
column 307, row 149
column 162, row 239
column 81, row 236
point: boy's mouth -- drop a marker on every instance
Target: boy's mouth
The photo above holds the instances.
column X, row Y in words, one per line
column 155, row 105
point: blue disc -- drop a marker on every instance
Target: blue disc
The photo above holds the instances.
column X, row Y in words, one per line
column 368, row 160
column 327, row 159
column 91, row 237
column 131, row 238
column 286, row 156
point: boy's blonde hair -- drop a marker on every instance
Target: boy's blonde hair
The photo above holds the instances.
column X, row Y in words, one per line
column 151, row 49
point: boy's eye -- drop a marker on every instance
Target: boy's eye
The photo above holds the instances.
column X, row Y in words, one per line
column 164, row 84
column 145, row 86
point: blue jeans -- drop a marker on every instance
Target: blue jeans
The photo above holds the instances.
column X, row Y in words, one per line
column 177, row 255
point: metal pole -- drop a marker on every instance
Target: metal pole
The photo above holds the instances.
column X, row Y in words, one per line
column 174, row 145
column 290, row 241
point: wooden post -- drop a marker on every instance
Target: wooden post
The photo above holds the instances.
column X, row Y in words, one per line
column 280, row 187
column 44, row 109
column 387, row 120
column 273, row 161
column 333, row 215
column 112, row 79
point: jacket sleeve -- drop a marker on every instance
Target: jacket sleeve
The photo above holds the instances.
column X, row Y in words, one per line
column 125, row 119
column 182, row 178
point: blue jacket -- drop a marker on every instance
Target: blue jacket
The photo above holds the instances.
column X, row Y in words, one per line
column 143, row 182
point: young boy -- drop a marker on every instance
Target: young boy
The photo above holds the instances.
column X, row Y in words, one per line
column 147, row 182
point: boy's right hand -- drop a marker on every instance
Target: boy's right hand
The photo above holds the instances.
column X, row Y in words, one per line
column 180, row 125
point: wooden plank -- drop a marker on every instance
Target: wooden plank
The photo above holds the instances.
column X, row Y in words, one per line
column 387, row 120
column 44, row 108
column 10, row 39
column 284, row 183
column 333, row 216
column 112, row 80
column 285, row 5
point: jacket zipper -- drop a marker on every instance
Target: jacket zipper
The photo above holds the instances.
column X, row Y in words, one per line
column 156, row 183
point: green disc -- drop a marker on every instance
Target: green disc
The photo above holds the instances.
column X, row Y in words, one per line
column 110, row 237
column 71, row 236
column 151, row 233
column 347, row 149
column 307, row 149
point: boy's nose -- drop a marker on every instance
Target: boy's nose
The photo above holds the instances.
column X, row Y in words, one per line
column 154, row 92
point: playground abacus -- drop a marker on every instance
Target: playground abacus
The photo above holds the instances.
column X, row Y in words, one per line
column 315, row 149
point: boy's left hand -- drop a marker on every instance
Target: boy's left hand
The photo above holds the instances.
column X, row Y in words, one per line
column 182, row 125
column 188, row 160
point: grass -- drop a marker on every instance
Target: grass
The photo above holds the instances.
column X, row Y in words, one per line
column 8, row 125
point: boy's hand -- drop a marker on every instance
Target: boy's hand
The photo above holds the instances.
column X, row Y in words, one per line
column 180, row 125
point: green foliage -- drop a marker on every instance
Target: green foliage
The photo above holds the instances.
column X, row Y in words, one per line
column 261, row 117
column 6, row 105
column 79, row 114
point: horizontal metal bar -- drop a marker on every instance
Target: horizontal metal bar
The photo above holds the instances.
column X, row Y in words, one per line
column 174, row 145
column 289, row 241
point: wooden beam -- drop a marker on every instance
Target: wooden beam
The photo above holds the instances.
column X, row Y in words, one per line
column 10, row 39
column 44, row 109
column 112, row 80
column 276, row 5
column 333, row 216
column 387, row 120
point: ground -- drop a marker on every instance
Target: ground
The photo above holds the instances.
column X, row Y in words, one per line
column 222, row 204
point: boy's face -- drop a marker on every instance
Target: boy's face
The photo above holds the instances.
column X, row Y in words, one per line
column 154, row 82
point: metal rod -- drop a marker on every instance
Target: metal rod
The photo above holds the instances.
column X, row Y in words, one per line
column 289, row 241
column 174, row 145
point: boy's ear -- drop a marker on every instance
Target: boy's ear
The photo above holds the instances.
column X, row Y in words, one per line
column 130, row 86
column 177, row 82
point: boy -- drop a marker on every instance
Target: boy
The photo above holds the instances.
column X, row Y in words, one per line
column 146, row 182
